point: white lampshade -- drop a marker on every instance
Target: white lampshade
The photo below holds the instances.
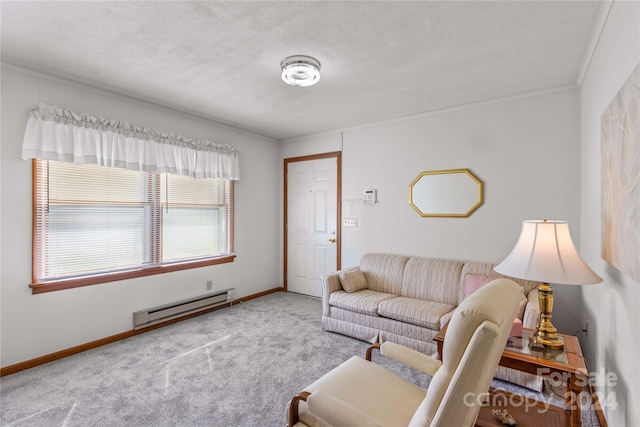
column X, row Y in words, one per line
column 545, row 253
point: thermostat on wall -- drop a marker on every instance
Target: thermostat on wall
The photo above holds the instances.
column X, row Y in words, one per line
column 370, row 196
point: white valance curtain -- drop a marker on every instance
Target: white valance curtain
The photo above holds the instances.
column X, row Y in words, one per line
column 54, row 133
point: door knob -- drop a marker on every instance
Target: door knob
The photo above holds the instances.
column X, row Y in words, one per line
column 332, row 240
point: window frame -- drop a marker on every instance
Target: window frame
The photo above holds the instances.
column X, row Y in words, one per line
column 139, row 271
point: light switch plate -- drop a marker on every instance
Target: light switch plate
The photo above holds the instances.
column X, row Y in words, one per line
column 350, row 222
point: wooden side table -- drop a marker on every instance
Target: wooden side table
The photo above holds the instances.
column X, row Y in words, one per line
column 527, row 412
column 567, row 364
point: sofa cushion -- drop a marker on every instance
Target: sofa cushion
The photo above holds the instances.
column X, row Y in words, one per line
column 384, row 272
column 415, row 311
column 365, row 301
column 473, row 282
column 432, row 279
column 353, row 280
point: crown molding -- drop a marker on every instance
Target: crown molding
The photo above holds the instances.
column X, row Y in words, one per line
column 594, row 39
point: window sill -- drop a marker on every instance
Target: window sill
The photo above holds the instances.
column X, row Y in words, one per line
column 58, row 285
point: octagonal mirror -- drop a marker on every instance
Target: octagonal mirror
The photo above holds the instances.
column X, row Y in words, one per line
column 446, row 193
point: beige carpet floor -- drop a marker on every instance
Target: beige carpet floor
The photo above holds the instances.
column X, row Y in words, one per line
column 237, row 366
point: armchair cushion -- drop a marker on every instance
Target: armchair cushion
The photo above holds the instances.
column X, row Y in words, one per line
column 337, row 412
column 353, row 280
column 384, row 397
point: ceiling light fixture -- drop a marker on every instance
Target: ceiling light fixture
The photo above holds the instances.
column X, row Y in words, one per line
column 300, row 70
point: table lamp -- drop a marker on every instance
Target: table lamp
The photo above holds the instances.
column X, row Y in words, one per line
column 545, row 253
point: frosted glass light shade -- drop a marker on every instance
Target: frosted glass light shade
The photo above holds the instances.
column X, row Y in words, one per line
column 300, row 70
column 545, row 253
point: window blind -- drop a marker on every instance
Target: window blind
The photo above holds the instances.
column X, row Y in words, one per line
column 194, row 217
column 96, row 220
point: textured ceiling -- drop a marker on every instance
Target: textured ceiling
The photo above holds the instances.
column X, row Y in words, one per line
column 380, row 60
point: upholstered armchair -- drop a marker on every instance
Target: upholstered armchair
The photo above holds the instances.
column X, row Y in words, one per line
column 361, row 393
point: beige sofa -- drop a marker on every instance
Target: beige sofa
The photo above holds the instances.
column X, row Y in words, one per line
column 407, row 300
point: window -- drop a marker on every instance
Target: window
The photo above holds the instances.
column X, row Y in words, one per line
column 94, row 224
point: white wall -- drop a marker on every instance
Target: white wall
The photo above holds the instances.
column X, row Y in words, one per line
column 613, row 342
column 36, row 325
column 525, row 150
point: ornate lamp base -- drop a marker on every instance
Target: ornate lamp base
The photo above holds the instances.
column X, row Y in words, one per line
column 550, row 343
column 545, row 333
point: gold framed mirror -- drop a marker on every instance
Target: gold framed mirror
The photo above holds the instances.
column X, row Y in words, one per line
column 453, row 193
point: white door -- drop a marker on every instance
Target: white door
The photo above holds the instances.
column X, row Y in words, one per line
column 311, row 223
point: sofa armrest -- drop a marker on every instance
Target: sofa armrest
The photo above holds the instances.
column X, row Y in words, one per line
column 531, row 311
column 407, row 356
column 330, row 284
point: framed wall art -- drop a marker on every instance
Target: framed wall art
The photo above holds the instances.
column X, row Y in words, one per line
column 621, row 179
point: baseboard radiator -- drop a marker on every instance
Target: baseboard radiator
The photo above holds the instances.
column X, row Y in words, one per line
column 162, row 313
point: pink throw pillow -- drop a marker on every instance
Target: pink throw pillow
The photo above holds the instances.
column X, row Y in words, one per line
column 516, row 329
column 473, row 282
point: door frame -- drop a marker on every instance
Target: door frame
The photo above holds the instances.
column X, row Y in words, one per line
column 338, row 156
